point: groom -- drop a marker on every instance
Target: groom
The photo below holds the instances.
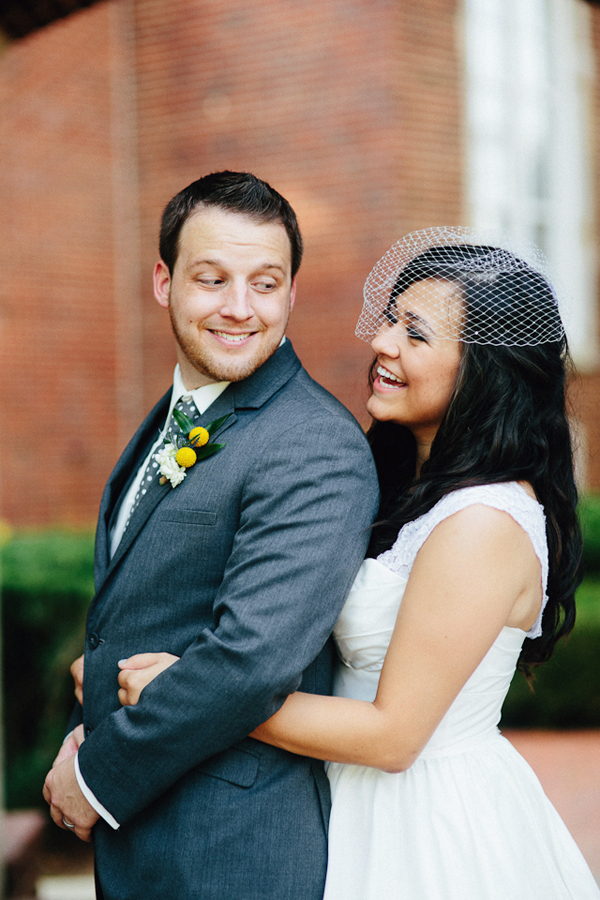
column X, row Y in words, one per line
column 241, row 569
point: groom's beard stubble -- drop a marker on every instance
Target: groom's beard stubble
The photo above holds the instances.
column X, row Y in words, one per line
column 206, row 360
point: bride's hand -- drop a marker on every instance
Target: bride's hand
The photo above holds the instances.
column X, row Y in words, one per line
column 138, row 671
column 77, row 673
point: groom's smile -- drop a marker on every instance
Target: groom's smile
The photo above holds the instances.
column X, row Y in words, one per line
column 229, row 296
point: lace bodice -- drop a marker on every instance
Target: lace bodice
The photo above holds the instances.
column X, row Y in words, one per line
column 509, row 497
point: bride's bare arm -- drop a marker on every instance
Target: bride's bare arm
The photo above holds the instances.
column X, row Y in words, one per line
column 476, row 573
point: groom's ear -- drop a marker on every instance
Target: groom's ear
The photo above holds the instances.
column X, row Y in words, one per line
column 293, row 293
column 162, row 283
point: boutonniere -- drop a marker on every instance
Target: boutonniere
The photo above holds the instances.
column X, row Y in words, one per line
column 187, row 447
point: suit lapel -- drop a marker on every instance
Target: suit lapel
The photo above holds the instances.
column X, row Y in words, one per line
column 255, row 391
column 251, row 393
column 121, row 477
column 156, row 492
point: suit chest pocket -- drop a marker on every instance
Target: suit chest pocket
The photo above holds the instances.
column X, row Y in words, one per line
column 187, row 517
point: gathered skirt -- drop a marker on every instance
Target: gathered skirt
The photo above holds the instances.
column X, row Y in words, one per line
column 466, row 823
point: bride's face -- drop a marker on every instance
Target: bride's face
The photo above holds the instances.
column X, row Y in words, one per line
column 417, row 368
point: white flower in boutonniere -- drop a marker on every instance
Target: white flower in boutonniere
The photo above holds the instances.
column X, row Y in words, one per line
column 165, row 454
column 186, row 448
column 169, row 468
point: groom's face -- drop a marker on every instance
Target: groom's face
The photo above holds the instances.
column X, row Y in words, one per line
column 230, row 294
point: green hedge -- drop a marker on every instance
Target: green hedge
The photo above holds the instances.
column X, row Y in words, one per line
column 589, row 515
column 566, row 690
column 47, row 584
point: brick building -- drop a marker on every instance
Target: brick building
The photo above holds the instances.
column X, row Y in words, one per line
column 364, row 113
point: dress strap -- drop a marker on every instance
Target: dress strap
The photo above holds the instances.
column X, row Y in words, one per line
column 508, row 497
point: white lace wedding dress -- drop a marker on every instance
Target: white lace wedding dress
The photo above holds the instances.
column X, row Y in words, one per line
column 469, row 820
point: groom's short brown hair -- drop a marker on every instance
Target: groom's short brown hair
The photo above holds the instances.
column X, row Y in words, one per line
column 238, row 192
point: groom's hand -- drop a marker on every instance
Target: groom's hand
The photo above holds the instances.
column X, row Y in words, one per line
column 66, row 801
column 70, row 746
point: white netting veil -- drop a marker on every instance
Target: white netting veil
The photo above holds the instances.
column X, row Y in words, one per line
column 456, row 284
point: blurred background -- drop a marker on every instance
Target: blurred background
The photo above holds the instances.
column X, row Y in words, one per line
column 374, row 118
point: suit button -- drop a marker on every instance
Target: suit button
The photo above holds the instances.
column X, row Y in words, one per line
column 93, row 640
column 88, row 730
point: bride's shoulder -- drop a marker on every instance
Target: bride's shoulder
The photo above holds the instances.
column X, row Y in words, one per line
column 501, row 507
column 475, row 521
column 506, row 496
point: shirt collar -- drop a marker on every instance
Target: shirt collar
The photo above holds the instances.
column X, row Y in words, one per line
column 203, row 396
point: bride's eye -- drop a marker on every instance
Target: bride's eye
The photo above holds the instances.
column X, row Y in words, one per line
column 416, row 335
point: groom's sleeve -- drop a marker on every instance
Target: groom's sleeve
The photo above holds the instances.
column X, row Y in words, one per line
column 92, row 799
column 307, row 505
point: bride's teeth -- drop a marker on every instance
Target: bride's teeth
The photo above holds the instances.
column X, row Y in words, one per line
column 385, row 374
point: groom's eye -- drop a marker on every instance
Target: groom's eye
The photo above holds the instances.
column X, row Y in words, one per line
column 210, row 281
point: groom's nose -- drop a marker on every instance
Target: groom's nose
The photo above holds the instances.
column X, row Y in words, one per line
column 237, row 302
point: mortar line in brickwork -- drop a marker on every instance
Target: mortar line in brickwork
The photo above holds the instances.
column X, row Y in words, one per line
column 129, row 384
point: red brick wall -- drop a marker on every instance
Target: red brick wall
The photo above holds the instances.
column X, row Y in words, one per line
column 351, row 108
column 348, row 107
column 586, row 394
column 57, row 421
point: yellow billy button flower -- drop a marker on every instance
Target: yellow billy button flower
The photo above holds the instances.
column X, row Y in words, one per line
column 199, row 437
column 173, row 460
column 186, row 457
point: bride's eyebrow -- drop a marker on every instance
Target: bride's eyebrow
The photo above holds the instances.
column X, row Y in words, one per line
column 414, row 319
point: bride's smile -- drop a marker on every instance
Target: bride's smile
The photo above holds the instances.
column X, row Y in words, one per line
column 416, row 369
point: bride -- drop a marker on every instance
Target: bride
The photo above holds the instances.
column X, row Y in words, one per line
column 471, row 573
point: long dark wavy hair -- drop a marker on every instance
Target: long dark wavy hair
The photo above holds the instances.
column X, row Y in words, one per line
column 507, row 421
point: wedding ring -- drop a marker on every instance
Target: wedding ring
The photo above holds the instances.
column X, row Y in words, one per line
column 68, row 824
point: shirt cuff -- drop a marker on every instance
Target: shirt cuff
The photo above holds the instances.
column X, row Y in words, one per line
column 92, row 799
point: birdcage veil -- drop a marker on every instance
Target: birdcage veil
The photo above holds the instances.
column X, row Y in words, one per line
column 470, row 288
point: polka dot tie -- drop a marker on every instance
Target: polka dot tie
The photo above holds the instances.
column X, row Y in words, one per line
column 185, row 405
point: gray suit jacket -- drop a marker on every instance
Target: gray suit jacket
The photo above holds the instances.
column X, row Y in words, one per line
column 241, row 571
